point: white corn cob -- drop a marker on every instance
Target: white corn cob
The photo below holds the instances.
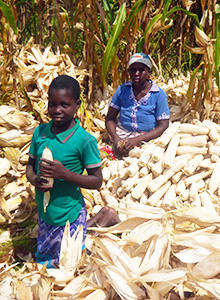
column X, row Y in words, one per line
column 144, row 198
column 180, row 187
column 214, row 179
column 214, row 158
column 214, row 150
column 176, row 177
column 195, row 141
column 157, row 153
column 106, row 174
column 143, row 171
column 160, row 180
column 157, row 196
column 191, row 149
column 184, row 195
column 171, row 151
column 158, row 167
column 128, row 184
column 192, row 165
column 194, row 178
column 205, row 163
column 167, row 135
column 47, row 154
column 132, row 169
column 140, row 188
column 108, row 198
column 146, row 155
column 194, row 129
column 207, row 201
column 169, row 197
column 200, row 185
column 213, row 132
column 113, row 168
column 193, row 191
column 136, row 152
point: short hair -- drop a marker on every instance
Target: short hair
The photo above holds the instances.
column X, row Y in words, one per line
column 66, row 82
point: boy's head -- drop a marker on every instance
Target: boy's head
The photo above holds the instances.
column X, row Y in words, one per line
column 66, row 82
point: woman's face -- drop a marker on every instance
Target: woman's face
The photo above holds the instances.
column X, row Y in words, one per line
column 139, row 73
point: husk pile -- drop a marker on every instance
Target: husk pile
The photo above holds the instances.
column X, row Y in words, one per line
column 160, row 250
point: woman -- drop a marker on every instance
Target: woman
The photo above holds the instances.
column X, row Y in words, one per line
column 142, row 108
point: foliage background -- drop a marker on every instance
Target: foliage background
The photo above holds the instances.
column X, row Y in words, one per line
column 182, row 37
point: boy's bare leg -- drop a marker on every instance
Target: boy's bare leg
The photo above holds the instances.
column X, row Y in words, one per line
column 106, row 217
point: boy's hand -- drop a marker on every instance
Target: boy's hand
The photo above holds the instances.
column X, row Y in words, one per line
column 41, row 183
column 53, row 169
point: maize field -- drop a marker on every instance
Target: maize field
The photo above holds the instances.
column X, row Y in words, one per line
column 165, row 192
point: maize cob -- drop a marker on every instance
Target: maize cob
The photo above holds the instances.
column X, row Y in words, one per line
column 143, row 171
column 194, row 129
column 184, row 195
column 144, row 198
column 132, row 169
column 157, row 153
column 214, row 179
column 167, row 135
column 206, row 201
column 47, row 154
column 214, row 150
column 180, row 187
column 214, row 158
column 192, row 165
column 176, row 177
column 194, row 178
column 156, row 196
column 136, row 152
column 200, row 185
column 157, row 168
column 169, row 197
column 195, row 141
column 146, row 155
column 160, row 180
column 190, row 149
column 205, row 163
column 213, row 132
column 108, row 198
column 171, row 151
column 141, row 187
column 193, row 191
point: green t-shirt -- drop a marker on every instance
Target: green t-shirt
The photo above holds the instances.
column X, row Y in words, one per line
column 77, row 150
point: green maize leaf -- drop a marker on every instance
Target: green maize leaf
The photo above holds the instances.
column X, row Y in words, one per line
column 113, row 41
column 217, row 45
column 188, row 13
column 8, row 15
column 165, row 9
column 134, row 11
column 152, row 22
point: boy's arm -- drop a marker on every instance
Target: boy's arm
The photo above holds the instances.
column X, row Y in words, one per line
column 39, row 182
column 55, row 169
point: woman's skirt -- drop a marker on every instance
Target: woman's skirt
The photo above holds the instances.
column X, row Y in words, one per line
column 50, row 237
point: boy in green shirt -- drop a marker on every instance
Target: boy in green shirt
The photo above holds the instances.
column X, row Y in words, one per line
column 73, row 150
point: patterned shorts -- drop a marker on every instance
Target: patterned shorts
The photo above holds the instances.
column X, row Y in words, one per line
column 50, row 237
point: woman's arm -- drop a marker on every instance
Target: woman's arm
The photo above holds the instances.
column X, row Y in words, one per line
column 162, row 125
column 110, row 123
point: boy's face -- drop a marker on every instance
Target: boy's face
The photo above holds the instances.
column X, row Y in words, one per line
column 62, row 107
column 139, row 73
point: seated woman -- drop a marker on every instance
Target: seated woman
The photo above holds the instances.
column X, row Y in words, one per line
column 142, row 108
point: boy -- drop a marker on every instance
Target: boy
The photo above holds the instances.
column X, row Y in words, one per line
column 73, row 150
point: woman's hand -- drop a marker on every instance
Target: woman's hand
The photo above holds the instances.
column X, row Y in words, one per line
column 131, row 143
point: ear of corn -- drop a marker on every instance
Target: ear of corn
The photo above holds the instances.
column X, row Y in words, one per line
column 47, row 154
